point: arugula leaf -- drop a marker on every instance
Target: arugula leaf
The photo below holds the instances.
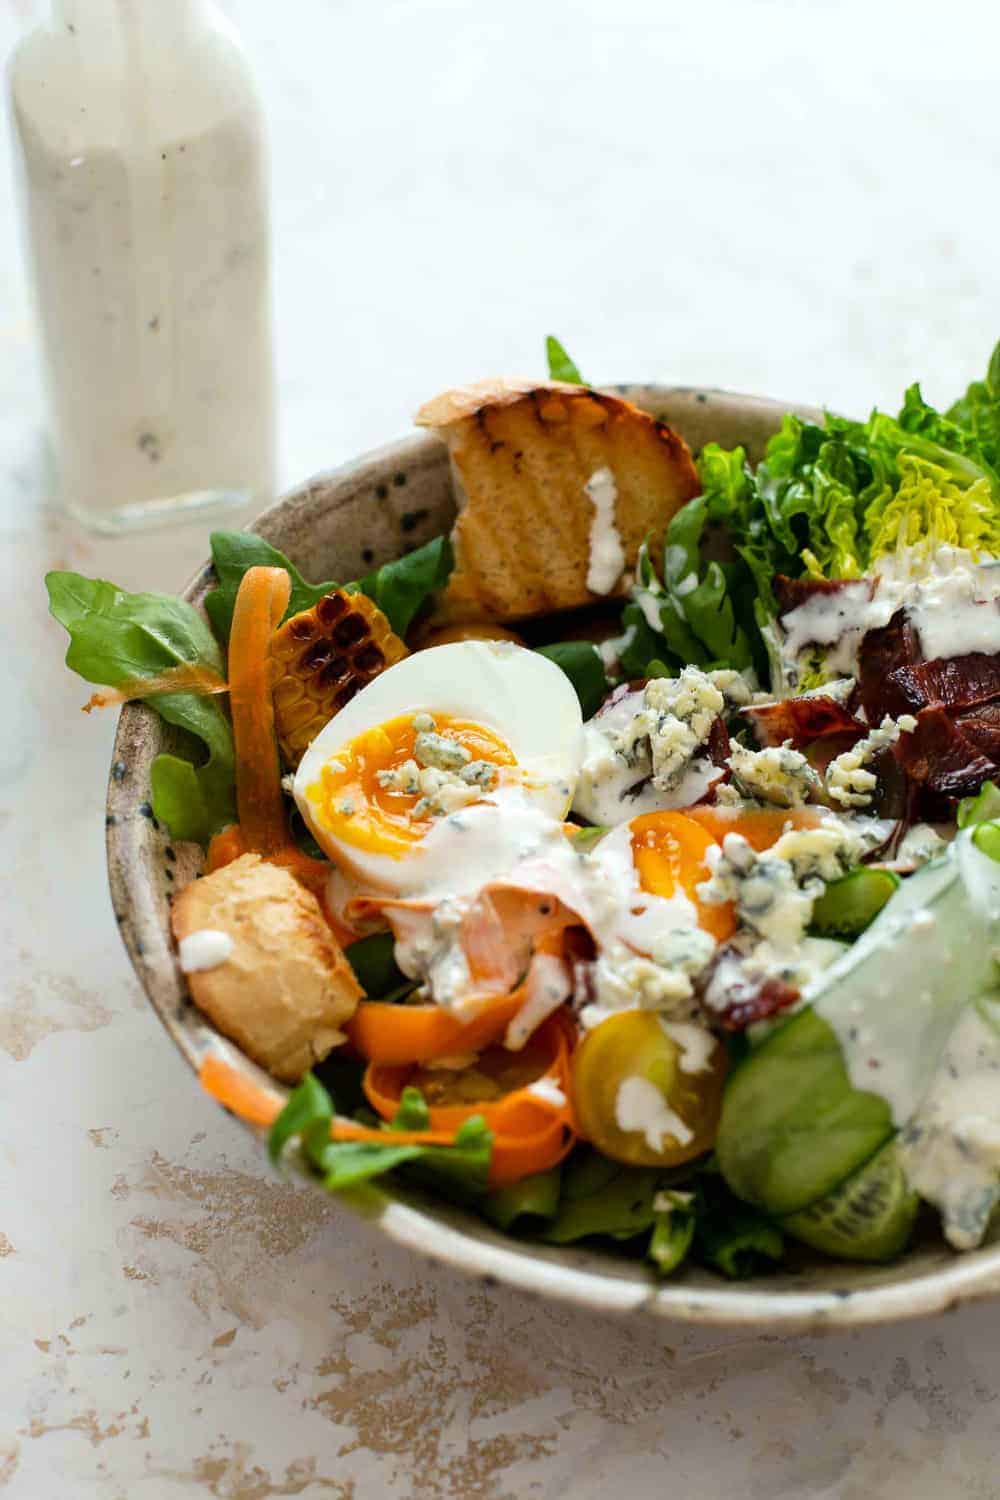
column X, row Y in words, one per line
column 561, row 367
column 400, row 588
column 699, row 592
column 233, row 552
column 309, row 1114
column 582, row 664
column 116, row 637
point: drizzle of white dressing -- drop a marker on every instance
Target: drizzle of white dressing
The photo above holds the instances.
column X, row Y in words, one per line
column 650, row 604
column 639, row 1106
column 639, row 917
column 950, row 597
column 950, row 1150
column 548, row 1091
column 612, row 651
column 696, row 1045
column 607, row 555
column 895, row 996
column 548, row 985
column 207, row 949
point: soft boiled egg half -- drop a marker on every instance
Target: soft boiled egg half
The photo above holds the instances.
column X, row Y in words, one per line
column 445, row 769
column 657, row 861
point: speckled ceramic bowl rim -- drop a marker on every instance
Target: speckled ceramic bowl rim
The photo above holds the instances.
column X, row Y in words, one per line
column 408, row 1217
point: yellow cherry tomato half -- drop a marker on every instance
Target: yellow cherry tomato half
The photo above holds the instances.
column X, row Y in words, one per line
column 670, row 850
column 636, row 1096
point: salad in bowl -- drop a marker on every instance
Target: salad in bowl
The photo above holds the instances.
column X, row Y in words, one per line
column 623, row 865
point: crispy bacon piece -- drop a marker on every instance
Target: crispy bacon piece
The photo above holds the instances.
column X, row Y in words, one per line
column 941, row 756
column 881, row 655
column 734, row 999
column 802, row 720
column 954, row 682
column 981, row 726
column 754, row 1002
column 718, row 746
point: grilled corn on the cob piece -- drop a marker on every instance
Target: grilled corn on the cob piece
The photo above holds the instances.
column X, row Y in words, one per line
column 321, row 658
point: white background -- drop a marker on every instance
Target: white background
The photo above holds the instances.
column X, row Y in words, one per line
column 796, row 199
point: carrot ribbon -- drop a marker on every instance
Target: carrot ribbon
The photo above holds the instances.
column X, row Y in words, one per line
column 260, row 604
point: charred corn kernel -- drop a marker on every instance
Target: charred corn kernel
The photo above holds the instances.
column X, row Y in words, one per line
column 321, row 658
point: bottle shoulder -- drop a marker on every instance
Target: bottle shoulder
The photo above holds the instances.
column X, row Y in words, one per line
column 160, row 96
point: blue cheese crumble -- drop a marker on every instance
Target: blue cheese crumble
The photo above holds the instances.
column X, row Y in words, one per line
column 778, row 775
column 675, row 720
column 442, row 773
column 848, row 780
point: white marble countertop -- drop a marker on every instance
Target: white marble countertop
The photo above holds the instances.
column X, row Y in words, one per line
column 797, row 200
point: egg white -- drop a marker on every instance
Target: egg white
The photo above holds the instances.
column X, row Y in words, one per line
column 523, row 698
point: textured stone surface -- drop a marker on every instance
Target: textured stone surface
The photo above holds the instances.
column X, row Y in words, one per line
column 769, row 197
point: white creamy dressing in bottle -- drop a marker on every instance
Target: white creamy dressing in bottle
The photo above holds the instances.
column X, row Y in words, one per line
column 145, row 192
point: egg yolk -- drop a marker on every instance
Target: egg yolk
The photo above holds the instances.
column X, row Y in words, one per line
column 668, row 851
column 351, row 801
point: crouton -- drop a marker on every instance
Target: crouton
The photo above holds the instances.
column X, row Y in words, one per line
column 275, row 981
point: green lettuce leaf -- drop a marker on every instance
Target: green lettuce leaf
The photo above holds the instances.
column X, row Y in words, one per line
column 401, row 587
column 582, row 664
column 830, row 499
column 233, row 552
column 561, row 367
column 930, row 507
column 116, row 636
column 978, row 411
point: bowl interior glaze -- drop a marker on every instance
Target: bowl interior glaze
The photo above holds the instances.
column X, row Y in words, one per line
column 337, row 526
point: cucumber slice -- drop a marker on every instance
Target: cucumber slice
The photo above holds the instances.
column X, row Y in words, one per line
column 851, row 904
column 798, row 1118
column 869, row 1217
column 793, row 1127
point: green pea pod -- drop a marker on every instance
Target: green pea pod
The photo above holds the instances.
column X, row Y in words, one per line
column 851, row 904
column 532, row 1199
column 673, row 1231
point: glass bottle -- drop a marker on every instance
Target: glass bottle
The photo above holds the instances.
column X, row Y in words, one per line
column 145, row 193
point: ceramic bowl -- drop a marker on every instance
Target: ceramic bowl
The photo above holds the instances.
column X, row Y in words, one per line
column 337, row 526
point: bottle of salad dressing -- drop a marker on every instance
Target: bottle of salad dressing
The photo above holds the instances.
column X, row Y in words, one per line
column 145, row 194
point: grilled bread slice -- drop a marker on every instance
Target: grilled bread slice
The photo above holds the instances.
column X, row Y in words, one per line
column 522, row 455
